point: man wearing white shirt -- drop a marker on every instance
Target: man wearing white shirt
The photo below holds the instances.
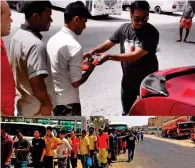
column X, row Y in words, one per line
column 66, row 55
column 63, row 150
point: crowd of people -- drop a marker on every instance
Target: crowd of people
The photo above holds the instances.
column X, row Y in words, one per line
column 95, row 149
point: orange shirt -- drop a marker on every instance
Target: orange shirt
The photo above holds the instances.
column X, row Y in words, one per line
column 8, row 92
column 103, row 141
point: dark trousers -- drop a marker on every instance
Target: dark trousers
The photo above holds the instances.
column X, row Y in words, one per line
column 48, row 162
column 84, row 160
column 92, row 155
column 133, row 75
column 68, row 162
column 68, row 110
column 38, row 164
column 73, row 160
column 128, row 97
column 131, row 153
column 142, row 137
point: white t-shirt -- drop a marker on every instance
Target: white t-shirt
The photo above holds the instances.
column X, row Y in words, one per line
column 66, row 56
column 63, row 148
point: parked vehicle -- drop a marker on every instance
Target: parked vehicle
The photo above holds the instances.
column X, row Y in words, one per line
column 178, row 128
column 192, row 135
column 168, row 92
column 126, row 4
column 166, row 6
column 96, row 7
column 154, row 130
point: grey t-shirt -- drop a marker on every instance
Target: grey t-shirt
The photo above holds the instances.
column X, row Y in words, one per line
column 28, row 58
column 188, row 12
column 146, row 38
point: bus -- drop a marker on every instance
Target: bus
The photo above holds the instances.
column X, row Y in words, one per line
column 119, row 126
column 68, row 123
column 96, row 7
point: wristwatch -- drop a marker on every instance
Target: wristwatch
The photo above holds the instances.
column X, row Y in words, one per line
column 109, row 57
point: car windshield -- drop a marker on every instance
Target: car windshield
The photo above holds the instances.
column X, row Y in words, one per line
column 186, row 125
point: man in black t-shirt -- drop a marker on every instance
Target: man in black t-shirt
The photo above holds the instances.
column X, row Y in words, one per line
column 138, row 45
column 131, row 140
column 38, row 150
column 21, row 148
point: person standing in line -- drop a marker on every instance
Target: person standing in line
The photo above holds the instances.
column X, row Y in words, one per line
column 142, row 135
column 51, row 143
column 103, row 147
column 63, row 150
column 75, row 150
column 6, row 147
column 69, row 154
column 22, row 148
column 66, row 55
column 38, row 150
column 92, row 145
column 8, row 92
column 30, row 62
column 186, row 21
column 138, row 45
column 84, row 149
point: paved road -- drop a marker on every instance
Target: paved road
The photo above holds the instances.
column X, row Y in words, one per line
column 100, row 95
column 157, row 154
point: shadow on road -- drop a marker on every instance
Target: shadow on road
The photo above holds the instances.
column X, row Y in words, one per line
column 109, row 19
column 190, row 42
column 169, row 14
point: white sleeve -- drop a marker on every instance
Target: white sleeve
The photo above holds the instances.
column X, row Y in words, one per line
column 76, row 58
column 68, row 145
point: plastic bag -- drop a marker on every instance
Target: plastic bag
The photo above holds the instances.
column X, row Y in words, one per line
column 89, row 161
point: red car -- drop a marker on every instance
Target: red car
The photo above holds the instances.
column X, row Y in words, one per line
column 167, row 93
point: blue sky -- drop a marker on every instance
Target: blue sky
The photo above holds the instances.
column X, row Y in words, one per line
column 130, row 120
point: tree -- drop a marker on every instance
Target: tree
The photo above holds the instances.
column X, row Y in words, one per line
column 98, row 121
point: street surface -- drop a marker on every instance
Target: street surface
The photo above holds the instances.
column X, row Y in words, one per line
column 100, row 95
column 153, row 153
column 182, row 142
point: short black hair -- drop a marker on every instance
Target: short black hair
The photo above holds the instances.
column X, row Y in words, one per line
column 36, row 129
column 18, row 132
column 62, row 132
column 84, row 132
column 49, row 128
column 76, row 9
column 31, row 7
column 142, row 5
